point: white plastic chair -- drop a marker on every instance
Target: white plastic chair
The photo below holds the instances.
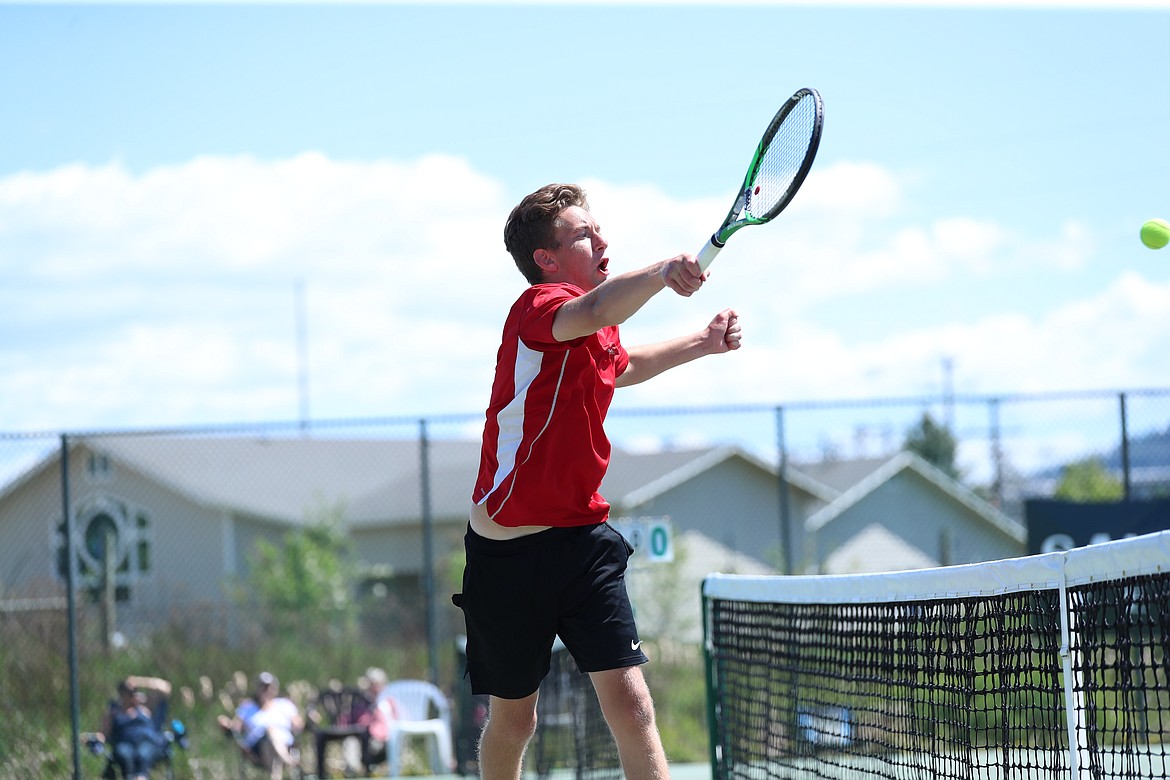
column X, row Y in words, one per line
column 423, row 710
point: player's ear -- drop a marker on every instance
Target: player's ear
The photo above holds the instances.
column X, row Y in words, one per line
column 544, row 260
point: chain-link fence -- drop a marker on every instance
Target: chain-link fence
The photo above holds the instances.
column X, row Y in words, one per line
column 348, row 534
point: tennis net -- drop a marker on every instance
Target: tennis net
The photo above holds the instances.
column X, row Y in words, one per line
column 1049, row 666
column 572, row 740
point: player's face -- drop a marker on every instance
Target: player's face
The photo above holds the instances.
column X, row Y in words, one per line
column 580, row 254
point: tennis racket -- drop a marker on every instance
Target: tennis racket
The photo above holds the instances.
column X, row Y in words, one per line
column 778, row 168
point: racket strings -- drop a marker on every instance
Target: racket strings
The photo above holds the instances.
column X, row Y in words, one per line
column 782, row 160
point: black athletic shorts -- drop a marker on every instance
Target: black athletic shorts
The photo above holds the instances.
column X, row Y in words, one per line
column 519, row 594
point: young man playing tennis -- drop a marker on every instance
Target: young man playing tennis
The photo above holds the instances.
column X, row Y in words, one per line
column 541, row 558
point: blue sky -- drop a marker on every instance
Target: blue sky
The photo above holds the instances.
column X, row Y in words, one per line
column 169, row 175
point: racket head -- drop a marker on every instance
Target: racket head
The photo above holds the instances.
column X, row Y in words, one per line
column 780, row 164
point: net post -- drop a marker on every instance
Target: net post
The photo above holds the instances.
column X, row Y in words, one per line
column 709, row 679
column 1073, row 708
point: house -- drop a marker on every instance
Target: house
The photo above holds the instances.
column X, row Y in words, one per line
column 177, row 518
column 184, row 514
column 898, row 513
column 666, row 596
column 879, row 514
column 876, row 514
column 725, row 493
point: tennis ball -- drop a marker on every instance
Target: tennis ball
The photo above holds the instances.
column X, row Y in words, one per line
column 1156, row 233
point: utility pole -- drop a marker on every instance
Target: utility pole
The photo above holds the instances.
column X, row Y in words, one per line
column 302, row 354
column 948, row 393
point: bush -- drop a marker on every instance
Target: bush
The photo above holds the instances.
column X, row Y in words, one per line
column 208, row 676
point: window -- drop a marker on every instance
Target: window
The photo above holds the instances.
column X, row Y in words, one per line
column 109, row 536
column 98, row 468
column 143, row 541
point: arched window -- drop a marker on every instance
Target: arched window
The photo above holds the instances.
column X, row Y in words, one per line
column 101, row 538
column 108, row 532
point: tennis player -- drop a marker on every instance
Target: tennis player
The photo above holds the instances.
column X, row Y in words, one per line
column 541, row 558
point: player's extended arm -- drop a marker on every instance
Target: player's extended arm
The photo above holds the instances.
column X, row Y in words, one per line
column 618, row 298
column 723, row 334
column 151, row 684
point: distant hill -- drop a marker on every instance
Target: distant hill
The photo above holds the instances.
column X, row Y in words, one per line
column 1149, row 451
column 1149, row 467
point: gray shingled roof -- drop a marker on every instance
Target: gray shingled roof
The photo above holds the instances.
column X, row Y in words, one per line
column 906, row 460
column 630, row 472
column 841, row 475
column 376, row 480
column 284, row 478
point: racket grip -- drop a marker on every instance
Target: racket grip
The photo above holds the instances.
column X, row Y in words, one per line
column 707, row 254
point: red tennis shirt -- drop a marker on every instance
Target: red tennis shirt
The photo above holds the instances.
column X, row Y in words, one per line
column 545, row 451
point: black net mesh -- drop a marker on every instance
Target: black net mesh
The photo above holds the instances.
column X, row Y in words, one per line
column 960, row 688
column 572, row 738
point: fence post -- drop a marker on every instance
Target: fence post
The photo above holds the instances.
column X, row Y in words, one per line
column 786, row 558
column 428, row 552
column 996, row 452
column 1125, row 480
column 109, row 610
column 71, row 609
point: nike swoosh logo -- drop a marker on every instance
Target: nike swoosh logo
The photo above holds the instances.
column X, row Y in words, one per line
column 635, row 645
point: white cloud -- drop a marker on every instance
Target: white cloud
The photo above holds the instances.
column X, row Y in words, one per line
column 852, row 192
column 167, row 297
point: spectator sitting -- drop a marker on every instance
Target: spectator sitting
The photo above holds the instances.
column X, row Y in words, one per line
column 130, row 730
column 376, row 719
column 266, row 726
column 382, row 714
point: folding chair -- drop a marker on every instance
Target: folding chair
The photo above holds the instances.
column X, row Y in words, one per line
column 174, row 732
column 423, row 710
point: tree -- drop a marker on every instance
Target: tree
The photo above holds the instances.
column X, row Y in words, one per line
column 934, row 443
column 306, row 585
column 1088, row 480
